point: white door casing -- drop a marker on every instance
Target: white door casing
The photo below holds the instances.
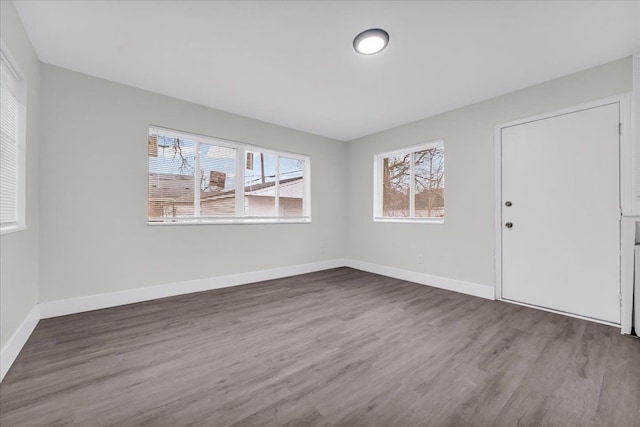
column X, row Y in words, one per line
column 562, row 176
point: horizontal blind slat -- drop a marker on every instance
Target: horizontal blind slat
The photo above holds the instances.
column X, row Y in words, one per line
column 9, row 116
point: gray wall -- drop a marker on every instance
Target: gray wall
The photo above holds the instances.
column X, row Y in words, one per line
column 462, row 247
column 94, row 235
column 19, row 250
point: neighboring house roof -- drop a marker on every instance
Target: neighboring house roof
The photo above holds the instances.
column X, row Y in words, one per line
column 290, row 187
column 179, row 188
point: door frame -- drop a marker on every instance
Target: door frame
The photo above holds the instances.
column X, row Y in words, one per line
column 626, row 199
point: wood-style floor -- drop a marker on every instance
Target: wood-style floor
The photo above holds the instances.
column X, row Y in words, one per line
column 334, row 348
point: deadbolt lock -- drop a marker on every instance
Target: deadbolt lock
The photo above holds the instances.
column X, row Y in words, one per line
column 509, row 225
column 507, row 203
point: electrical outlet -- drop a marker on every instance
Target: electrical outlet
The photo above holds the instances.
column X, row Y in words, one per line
column 420, row 259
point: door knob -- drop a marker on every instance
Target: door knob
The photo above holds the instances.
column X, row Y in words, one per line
column 507, row 204
column 509, row 225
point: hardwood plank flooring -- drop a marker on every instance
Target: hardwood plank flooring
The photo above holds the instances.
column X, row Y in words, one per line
column 334, row 348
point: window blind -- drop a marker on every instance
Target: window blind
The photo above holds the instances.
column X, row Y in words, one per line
column 9, row 149
column 172, row 168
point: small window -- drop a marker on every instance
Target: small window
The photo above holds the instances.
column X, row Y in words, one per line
column 409, row 184
column 198, row 179
column 12, row 146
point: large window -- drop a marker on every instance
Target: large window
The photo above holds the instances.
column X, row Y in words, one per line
column 198, row 179
column 409, row 184
column 12, row 146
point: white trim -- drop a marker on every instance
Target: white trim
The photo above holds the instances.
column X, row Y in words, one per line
column 112, row 299
column 627, row 207
column 306, row 196
column 276, row 187
column 564, row 313
column 17, row 341
column 8, row 229
column 11, row 62
column 469, row 288
column 241, row 150
column 626, row 194
column 64, row 307
column 636, row 268
column 241, row 163
column 197, row 176
column 585, row 106
column 412, row 186
column 629, row 264
column 421, row 220
column 627, row 267
column 627, row 201
column 378, row 185
column 497, row 208
column 439, row 142
column 196, row 137
column 21, row 141
column 635, row 130
column 224, row 142
column 230, row 220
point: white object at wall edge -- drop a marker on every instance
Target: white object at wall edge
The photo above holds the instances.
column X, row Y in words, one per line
column 19, row 338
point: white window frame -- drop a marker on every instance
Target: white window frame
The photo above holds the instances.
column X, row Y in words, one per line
column 378, row 184
column 241, row 155
column 21, row 95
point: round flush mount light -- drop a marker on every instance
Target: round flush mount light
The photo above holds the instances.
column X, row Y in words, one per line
column 371, row 41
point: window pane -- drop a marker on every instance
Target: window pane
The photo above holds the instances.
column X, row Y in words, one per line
column 259, row 181
column 217, row 181
column 429, row 183
column 186, row 169
column 291, row 187
column 395, row 185
column 171, row 176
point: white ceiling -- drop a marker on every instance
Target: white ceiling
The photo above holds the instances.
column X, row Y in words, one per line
column 292, row 63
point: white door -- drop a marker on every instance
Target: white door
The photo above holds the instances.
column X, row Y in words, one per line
column 561, row 213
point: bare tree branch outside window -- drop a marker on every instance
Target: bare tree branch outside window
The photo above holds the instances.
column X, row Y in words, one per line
column 428, row 173
column 175, row 145
column 397, row 172
column 429, row 183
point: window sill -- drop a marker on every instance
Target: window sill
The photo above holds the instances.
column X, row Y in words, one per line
column 411, row 220
column 12, row 229
column 232, row 221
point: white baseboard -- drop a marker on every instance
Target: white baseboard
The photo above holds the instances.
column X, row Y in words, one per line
column 56, row 308
column 112, row 299
column 19, row 338
column 470, row 288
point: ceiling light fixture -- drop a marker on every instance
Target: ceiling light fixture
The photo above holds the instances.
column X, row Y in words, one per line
column 371, row 41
